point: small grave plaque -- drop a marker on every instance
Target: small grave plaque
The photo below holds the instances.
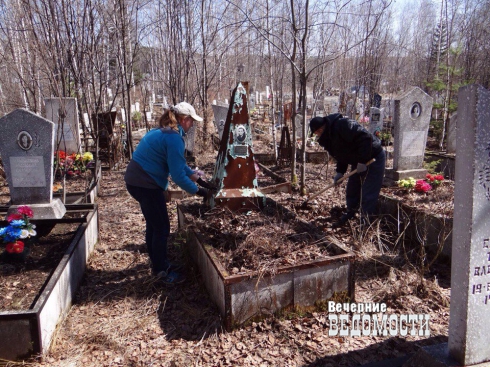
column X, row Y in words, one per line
column 27, row 171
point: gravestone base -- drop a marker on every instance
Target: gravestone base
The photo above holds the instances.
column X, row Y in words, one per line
column 54, row 210
column 240, row 199
column 403, row 175
column 436, row 356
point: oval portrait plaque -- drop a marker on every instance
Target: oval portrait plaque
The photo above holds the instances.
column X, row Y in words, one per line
column 415, row 110
column 24, row 140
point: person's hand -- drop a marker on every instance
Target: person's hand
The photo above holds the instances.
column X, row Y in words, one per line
column 337, row 177
column 205, row 194
column 361, row 167
column 205, row 184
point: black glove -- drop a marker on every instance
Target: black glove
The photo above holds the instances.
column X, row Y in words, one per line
column 337, row 177
column 202, row 192
column 205, row 184
column 361, row 167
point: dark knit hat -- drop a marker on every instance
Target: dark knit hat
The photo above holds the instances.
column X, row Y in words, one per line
column 316, row 123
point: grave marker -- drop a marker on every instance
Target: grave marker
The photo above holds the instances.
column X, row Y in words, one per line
column 234, row 173
column 64, row 113
column 376, row 116
column 27, row 150
column 411, row 121
column 220, row 112
column 470, row 275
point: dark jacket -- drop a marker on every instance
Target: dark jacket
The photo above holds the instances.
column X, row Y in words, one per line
column 348, row 142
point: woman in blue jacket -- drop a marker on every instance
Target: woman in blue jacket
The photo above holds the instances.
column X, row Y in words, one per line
column 159, row 154
column 351, row 144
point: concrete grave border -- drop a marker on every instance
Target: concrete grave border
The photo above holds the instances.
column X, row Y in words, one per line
column 29, row 332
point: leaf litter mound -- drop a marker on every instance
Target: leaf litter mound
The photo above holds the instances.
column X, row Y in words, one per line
column 257, row 240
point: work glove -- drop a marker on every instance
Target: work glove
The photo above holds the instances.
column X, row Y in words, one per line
column 361, row 167
column 205, row 184
column 337, row 177
column 205, row 194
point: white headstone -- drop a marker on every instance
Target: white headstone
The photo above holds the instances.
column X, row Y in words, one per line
column 64, row 113
column 469, row 323
column 376, row 116
column 27, row 150
column 137, row 106
column 220, row 112
column 411, row 121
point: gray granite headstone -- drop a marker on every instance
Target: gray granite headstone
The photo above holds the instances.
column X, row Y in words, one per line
column 411, row 121
column 220, row 112
column 64, row 113
column 451, row 133
column 469, row 323
column 376, row 116
column 27, row 148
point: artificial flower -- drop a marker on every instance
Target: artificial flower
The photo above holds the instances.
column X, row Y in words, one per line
column 19, row 227
column 16, row 247
column 422, row 186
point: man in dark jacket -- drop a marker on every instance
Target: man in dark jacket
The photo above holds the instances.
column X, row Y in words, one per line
column 351, row 144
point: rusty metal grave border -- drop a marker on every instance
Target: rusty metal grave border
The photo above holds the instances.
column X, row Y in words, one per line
column 29, row 332
column 241, row 298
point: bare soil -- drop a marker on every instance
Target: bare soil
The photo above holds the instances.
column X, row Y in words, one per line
column 123, row 317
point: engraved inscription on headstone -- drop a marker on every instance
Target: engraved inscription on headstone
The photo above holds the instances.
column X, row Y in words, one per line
column 413, row 143
column 24, row 139
column 470, row 269
column 27, row 171
column 240, row 150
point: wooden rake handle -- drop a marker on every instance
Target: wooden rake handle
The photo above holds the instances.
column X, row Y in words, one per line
column 353, row 172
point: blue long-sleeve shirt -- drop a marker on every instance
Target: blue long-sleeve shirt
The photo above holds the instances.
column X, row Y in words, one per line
column 159, row 154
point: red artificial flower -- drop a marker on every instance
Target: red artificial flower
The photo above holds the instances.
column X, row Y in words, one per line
column 14, row 216
column 60, row 153
column 15, row 247
column 439, row 177
column 25, row 210
column 70, row 173
column 422, row 186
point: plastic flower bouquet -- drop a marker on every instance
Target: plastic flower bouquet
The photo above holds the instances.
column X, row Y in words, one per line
column 422, row 186
column 73, row 164
column 18, row 230
column 434, row 180
column 408, row 184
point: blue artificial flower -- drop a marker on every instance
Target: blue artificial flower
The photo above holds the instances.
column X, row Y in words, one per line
column 18, row 223
column 12, row 234
column 3, row 230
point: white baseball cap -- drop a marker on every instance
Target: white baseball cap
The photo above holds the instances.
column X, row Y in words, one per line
column 184, row 108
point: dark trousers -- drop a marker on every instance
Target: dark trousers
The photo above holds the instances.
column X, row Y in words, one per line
column 154, row 208
column 363, row 189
